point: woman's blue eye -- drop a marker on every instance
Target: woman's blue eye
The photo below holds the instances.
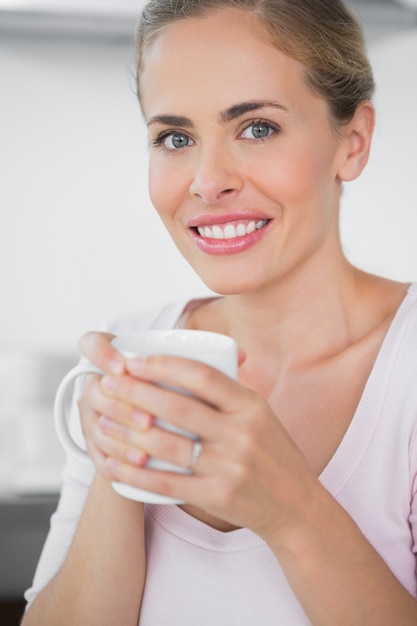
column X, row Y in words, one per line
column 176, row 141
column 258, row 130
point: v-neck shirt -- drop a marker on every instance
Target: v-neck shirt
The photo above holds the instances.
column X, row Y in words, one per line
column 197, row 574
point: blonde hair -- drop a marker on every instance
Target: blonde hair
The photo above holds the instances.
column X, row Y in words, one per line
column 322, row 34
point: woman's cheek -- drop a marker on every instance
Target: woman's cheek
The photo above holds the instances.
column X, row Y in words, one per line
column 166, row 189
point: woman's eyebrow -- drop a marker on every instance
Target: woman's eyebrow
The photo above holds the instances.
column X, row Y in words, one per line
column 237, row 110
column 228, row 115
column 170, row 120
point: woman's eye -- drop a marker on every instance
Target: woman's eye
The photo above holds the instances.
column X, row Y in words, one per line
column 258, row 130
column 174, row 141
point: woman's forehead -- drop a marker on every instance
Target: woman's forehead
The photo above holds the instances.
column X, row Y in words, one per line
column 219, row 57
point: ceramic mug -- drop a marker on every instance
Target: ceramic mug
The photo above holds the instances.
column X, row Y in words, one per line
column 214, row 349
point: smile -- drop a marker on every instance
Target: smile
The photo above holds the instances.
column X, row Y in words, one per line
column 231, row 230
column 230, row 237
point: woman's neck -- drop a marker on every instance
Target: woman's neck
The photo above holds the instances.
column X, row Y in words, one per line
column 303, row 320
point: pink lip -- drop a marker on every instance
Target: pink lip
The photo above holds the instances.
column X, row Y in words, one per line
column 217, row 247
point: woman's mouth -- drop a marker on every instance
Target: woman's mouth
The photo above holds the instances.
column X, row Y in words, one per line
column 231, row 230
column 229, row 237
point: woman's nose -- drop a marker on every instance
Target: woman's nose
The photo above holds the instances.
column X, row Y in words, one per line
column 216, row 176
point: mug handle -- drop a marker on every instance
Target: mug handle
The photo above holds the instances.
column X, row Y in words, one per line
column 60, row 413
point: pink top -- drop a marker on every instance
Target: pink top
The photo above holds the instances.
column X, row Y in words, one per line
column 197, row 574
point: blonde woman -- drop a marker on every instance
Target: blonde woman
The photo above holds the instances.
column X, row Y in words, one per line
column 302, row 506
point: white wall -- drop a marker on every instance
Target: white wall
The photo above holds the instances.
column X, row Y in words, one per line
column 79, row 240
column 379, row 217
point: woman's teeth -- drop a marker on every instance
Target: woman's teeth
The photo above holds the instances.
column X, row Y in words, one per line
column 230, row 231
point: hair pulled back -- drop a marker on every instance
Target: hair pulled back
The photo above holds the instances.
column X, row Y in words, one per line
column 321, row 34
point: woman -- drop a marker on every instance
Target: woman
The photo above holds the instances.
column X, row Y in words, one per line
column 302, row 508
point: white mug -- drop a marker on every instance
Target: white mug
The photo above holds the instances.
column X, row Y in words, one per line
column 214, row 349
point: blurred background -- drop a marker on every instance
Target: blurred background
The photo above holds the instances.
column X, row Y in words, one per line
column 80, row 241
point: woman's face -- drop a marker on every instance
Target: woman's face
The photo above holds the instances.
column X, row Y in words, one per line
column 243, row 160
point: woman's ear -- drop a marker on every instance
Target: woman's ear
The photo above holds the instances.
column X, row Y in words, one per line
column 357, row 139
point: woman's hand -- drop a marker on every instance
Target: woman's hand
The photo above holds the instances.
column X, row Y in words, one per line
column 249, row 473
column 94, row 404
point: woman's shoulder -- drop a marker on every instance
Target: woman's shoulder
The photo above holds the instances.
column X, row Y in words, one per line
column 406, row 319
column 162, row 316
column 168, row 315
column 398, row 356
column 394, row 305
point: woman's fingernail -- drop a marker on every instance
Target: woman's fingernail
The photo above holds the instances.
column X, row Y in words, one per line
column 109, row 383
column 112, row 465
column 143, row 420
column 104, row 422
column 116, row 366
column 135, row 457
column 241, row 358
column 136, row 366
